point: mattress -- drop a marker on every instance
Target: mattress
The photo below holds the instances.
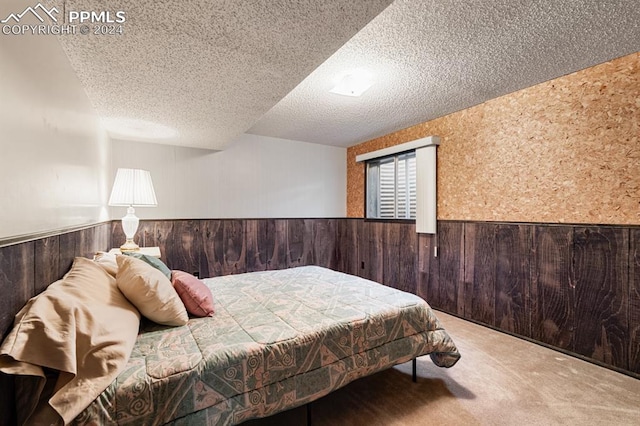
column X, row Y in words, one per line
column 278, row 339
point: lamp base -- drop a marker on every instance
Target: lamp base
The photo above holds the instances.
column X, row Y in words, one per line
column 129, row 246
column 129, row 226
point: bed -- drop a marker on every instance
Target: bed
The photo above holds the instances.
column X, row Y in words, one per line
column 277, row 340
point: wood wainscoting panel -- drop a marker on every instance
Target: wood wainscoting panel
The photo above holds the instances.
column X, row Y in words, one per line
column 634, row 301
column 575, row 287
column 391, row 255
column 513, row 278
column 181, row 243
column 450, row 288
column 324, row 243
column 47, row 270
column 497, row 271
column 375, row 260
column 258, row 252
column 117, row 235
column 428, row 283
column 600, row 276
column 278, row 232
column 212, row 264
column 266, row 244
column 363, row 249
column 67, row 250
column 348, row 246
column 16, row 281
column 299, row 242
column 479, row 270
column 82, row 243
column 552, row 292
column 233, row 247
column 92, row 240
column 408, row 254
column 17, row 277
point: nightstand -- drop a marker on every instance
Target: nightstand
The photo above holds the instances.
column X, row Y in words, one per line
column 149, row 251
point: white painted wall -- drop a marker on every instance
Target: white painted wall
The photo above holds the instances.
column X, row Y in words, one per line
column 54, row 155
column 254, row 177
column 57, row 164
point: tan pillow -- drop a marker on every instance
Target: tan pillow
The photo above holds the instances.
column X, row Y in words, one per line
column 107, row 261
column 150, row 291
column 81, row 326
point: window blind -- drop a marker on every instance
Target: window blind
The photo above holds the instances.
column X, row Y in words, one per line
column 406, row 186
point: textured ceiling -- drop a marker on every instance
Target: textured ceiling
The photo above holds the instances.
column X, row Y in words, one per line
column 433, row 57
column 208, row 69
column 212, row 70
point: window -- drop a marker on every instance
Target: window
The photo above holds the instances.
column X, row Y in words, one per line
column 391, row 187
column 401, row 182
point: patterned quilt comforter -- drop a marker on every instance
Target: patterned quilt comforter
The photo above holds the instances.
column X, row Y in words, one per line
column 278, row 339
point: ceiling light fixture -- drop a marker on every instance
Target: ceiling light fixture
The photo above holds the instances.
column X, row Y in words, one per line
column 353, row 83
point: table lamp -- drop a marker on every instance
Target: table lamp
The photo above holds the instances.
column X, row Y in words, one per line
column 132, row 188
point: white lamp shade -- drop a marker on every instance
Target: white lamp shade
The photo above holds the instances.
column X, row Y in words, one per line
column 133, row 187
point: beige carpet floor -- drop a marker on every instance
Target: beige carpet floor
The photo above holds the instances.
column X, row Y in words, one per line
column 500, row 380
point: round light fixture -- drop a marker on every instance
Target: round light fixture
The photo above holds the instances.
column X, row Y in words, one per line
column 352, row 83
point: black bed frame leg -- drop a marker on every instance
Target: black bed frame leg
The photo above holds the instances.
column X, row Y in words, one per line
column 414, row 376
column 308, row 414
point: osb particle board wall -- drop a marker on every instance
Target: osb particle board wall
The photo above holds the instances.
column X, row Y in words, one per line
column 566, row 151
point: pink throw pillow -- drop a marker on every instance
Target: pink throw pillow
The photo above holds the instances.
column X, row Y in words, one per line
column 195, row 295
